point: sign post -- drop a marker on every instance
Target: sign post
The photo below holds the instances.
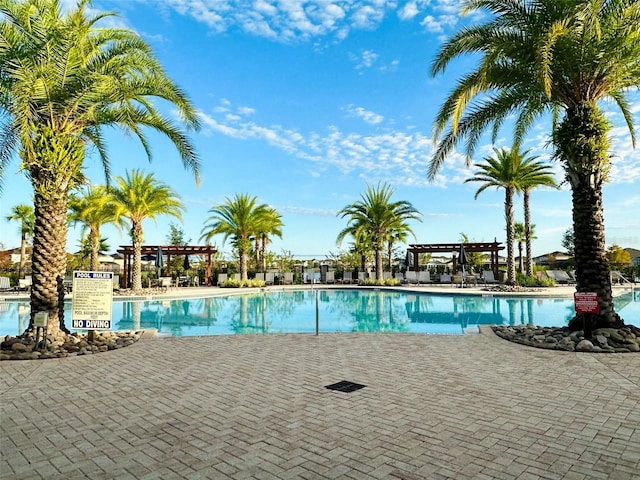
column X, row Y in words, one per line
column 586, row 303
column 92, row 301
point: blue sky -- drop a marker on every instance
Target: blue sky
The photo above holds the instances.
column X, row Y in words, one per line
column 303, row 103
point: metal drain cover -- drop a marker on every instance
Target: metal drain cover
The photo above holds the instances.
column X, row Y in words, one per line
column 345, row 386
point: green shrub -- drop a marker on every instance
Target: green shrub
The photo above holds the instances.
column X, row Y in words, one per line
column 372, row 282
column 534, row 281
column 251, row 283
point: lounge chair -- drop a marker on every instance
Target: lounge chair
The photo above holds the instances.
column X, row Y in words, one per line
column 236, row 277
column 24, row 284
column 399, row 276
column 5, row 284
column 269, row 278
column 424, row 277
column 165, row 283
column 288, row 278
column 412, row 277
column 445, row 278
column 222, row 278
column 362, row 276
column 560, row 276
column 347, row 276
column 330, row 278
column 487, row 277
column 386, row 275
column 260, row 276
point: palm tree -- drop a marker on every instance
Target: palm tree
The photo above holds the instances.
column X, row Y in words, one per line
column 92, row 208
column 376, row 216
column 271, row 224
column 508, row 170
column 540, row 176
column 23, row 214
column 64, row 79
column 520, row 236
column 549, row 56
column 137, row 197
column 243, row 220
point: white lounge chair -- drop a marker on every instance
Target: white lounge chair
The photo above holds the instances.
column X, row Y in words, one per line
column 487, row 276
column 412, row 277
column 222, row 278
column 347, row 276
column 259, row 276
column 445, row 278
column 269, row 278
column 288, row 278
column 362, row 276
column 5, row 284
column 424, row 277
column 386, row 275
column 330, row 278
column 399, row 276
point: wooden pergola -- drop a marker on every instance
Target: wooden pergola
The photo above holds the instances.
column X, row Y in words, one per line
column 492, row 247
column 167, row 250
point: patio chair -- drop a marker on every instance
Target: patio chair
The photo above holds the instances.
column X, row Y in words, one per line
column 386, row 275
column 288, row 278
column 487, row 276
column 362, row 276
column 424, row 277
column 330, row 278
column 399, row 276
column 24, row 284
column 222, row 278
column 561, row 276
column 347, row 276
column 269, row 278
column 259, row 276
column 445, row 278
column 412, row 277
column 5, row 284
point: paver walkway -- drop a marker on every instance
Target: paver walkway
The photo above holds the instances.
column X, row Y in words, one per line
column 471, row 407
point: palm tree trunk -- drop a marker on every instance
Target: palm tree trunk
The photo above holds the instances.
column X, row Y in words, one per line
column 527, row 232
column 263, row 252
column 23, row 253
column 49, row 258
column 243, row 265
column 582, row 145
column 94, row 238
column 378, row 263
column 136, row 240
column 508, row 214
column 592, row 265
column 520, row 259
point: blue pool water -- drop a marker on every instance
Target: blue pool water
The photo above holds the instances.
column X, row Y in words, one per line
column 348, row 310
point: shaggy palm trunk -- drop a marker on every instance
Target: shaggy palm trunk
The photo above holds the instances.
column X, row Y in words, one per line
column 23, row 254
column 508, row 215
column 94, row 238
column 378, row 251
column 263, row 252
column 136, row 241
column 49, row 258
column 520, row 259
column 243, row 265
column 527, row 233
column 581, row 143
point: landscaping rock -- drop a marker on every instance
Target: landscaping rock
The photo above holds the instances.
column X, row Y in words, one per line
column 608, row 340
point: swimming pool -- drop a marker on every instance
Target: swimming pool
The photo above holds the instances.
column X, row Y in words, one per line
column 339, row 310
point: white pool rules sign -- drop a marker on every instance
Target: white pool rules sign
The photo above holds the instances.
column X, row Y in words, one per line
column 91, row 307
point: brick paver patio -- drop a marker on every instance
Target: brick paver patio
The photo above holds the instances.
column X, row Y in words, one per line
column 470, row 407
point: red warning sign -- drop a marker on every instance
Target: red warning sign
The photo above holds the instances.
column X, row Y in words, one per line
column 586, row 302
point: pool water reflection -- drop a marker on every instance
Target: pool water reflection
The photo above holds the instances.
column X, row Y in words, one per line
column 348, row 310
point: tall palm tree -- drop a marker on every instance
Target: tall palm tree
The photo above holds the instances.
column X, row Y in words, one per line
column 270, row 225
column 136, row 197
column 520, row 236
column 92, row 207
column 550, row 56
column 64, row 79
column 242, row 219
column 540, row 176
column 376, row 216
column 24, row 215
column 507, row 169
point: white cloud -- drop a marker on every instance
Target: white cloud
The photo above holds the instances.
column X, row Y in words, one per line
column 368, row 116
column 294, row 20
column 398, row 157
